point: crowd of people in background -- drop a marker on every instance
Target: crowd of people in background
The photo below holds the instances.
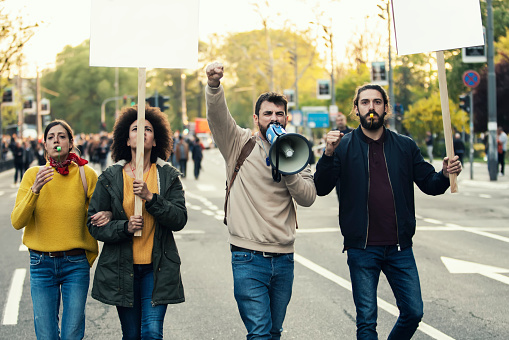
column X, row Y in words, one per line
column 95, row 147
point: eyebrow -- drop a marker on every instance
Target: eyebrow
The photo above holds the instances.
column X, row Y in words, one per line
column 281, row 111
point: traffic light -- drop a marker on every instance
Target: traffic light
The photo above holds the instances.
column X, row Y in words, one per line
column 465, row 102
column 125, row 100
column 7, row 96
column 151, row 101
column 162, row 105
column 397, row 109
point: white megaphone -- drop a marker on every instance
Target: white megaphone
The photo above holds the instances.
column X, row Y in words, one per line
column 289, row 152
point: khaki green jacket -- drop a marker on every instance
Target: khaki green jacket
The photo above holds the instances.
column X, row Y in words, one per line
column 113, row 279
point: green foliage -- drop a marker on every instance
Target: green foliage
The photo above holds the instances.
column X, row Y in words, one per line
column 346, row 86
column 265, row 60
column 413, row 78
column 82, row 89
column 426, row 115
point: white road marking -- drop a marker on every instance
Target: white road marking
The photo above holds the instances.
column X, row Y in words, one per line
column 206, row 187
column 318, row 230
column 483, row 231
column 484, row 196
column 455, row 266
column 11, row 310
column 479, row 232
column 432, row 221
column 391, row 309
column 22, row 247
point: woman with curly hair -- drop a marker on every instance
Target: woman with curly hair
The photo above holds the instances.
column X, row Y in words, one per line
column 139, row 275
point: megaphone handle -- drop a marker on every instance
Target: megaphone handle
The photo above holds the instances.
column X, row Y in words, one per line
column 276, row 176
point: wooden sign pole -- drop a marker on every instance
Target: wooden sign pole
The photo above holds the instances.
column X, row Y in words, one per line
column 446, row 116
column 140, row 138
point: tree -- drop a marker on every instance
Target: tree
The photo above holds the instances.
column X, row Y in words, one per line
column 481, row 98
column 347, row 85
column 83, row 89
column 257, row 64
column 426, row 115
column 14, row 34
column 13, row 37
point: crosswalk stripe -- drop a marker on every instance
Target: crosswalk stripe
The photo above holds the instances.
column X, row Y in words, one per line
column 11, row 310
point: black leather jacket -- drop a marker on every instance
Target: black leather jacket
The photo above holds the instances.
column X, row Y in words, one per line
column 349, row 164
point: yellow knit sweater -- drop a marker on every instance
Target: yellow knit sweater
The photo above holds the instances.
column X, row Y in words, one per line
column 142, row 246
column 55, row 219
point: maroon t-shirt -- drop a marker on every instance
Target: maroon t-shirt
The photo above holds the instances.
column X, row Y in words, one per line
column 382, row 229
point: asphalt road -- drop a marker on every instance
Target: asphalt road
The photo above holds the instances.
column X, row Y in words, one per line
column 461, row 247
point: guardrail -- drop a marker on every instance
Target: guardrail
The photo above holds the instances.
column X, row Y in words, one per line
column 6, row 165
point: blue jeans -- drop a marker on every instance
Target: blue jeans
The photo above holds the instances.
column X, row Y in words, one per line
column 143, row 320
column 262, row 288
column 50, row 278
column 401, row 271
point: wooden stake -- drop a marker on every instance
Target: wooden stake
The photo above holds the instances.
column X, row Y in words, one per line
column 140, row 138
column 446, row 116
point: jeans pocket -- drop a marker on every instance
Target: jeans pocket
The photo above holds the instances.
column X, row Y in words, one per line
column 290, row 257
column 77, row 258
column 35, row 259
column 241, row 257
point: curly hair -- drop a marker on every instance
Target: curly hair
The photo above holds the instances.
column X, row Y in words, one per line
column 162, row 134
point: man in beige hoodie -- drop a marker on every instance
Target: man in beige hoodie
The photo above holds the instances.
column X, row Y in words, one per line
column 261, row 212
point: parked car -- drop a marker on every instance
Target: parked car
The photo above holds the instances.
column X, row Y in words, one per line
column 206, row 140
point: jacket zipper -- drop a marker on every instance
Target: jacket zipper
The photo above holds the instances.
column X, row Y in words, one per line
column 367, row 204
column 393, row 201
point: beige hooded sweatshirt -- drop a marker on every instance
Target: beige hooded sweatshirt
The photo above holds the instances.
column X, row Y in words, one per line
column 261, row 212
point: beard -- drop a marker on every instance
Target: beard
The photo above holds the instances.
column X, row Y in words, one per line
column 263, row 129
column 366, row 122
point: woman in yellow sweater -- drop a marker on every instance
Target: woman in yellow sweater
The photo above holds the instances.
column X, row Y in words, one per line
column 51, row 205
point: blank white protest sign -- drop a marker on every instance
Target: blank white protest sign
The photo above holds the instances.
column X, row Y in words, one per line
column 147, row 33
column 436, row 25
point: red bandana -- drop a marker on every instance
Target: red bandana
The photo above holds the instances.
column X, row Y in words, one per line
column 63, row 167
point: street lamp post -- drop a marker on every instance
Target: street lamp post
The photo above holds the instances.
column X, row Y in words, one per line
column 492, row 100
column 392, row 118
column 103, row 106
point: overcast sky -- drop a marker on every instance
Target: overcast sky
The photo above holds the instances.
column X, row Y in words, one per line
column 67, row 22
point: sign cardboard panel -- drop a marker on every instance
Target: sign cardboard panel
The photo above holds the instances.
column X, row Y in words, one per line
column 436, row 25
column 148, row 33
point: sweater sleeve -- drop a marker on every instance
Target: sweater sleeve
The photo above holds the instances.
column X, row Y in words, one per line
column 301, row 187
column 228, row 136
column 25, row 200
